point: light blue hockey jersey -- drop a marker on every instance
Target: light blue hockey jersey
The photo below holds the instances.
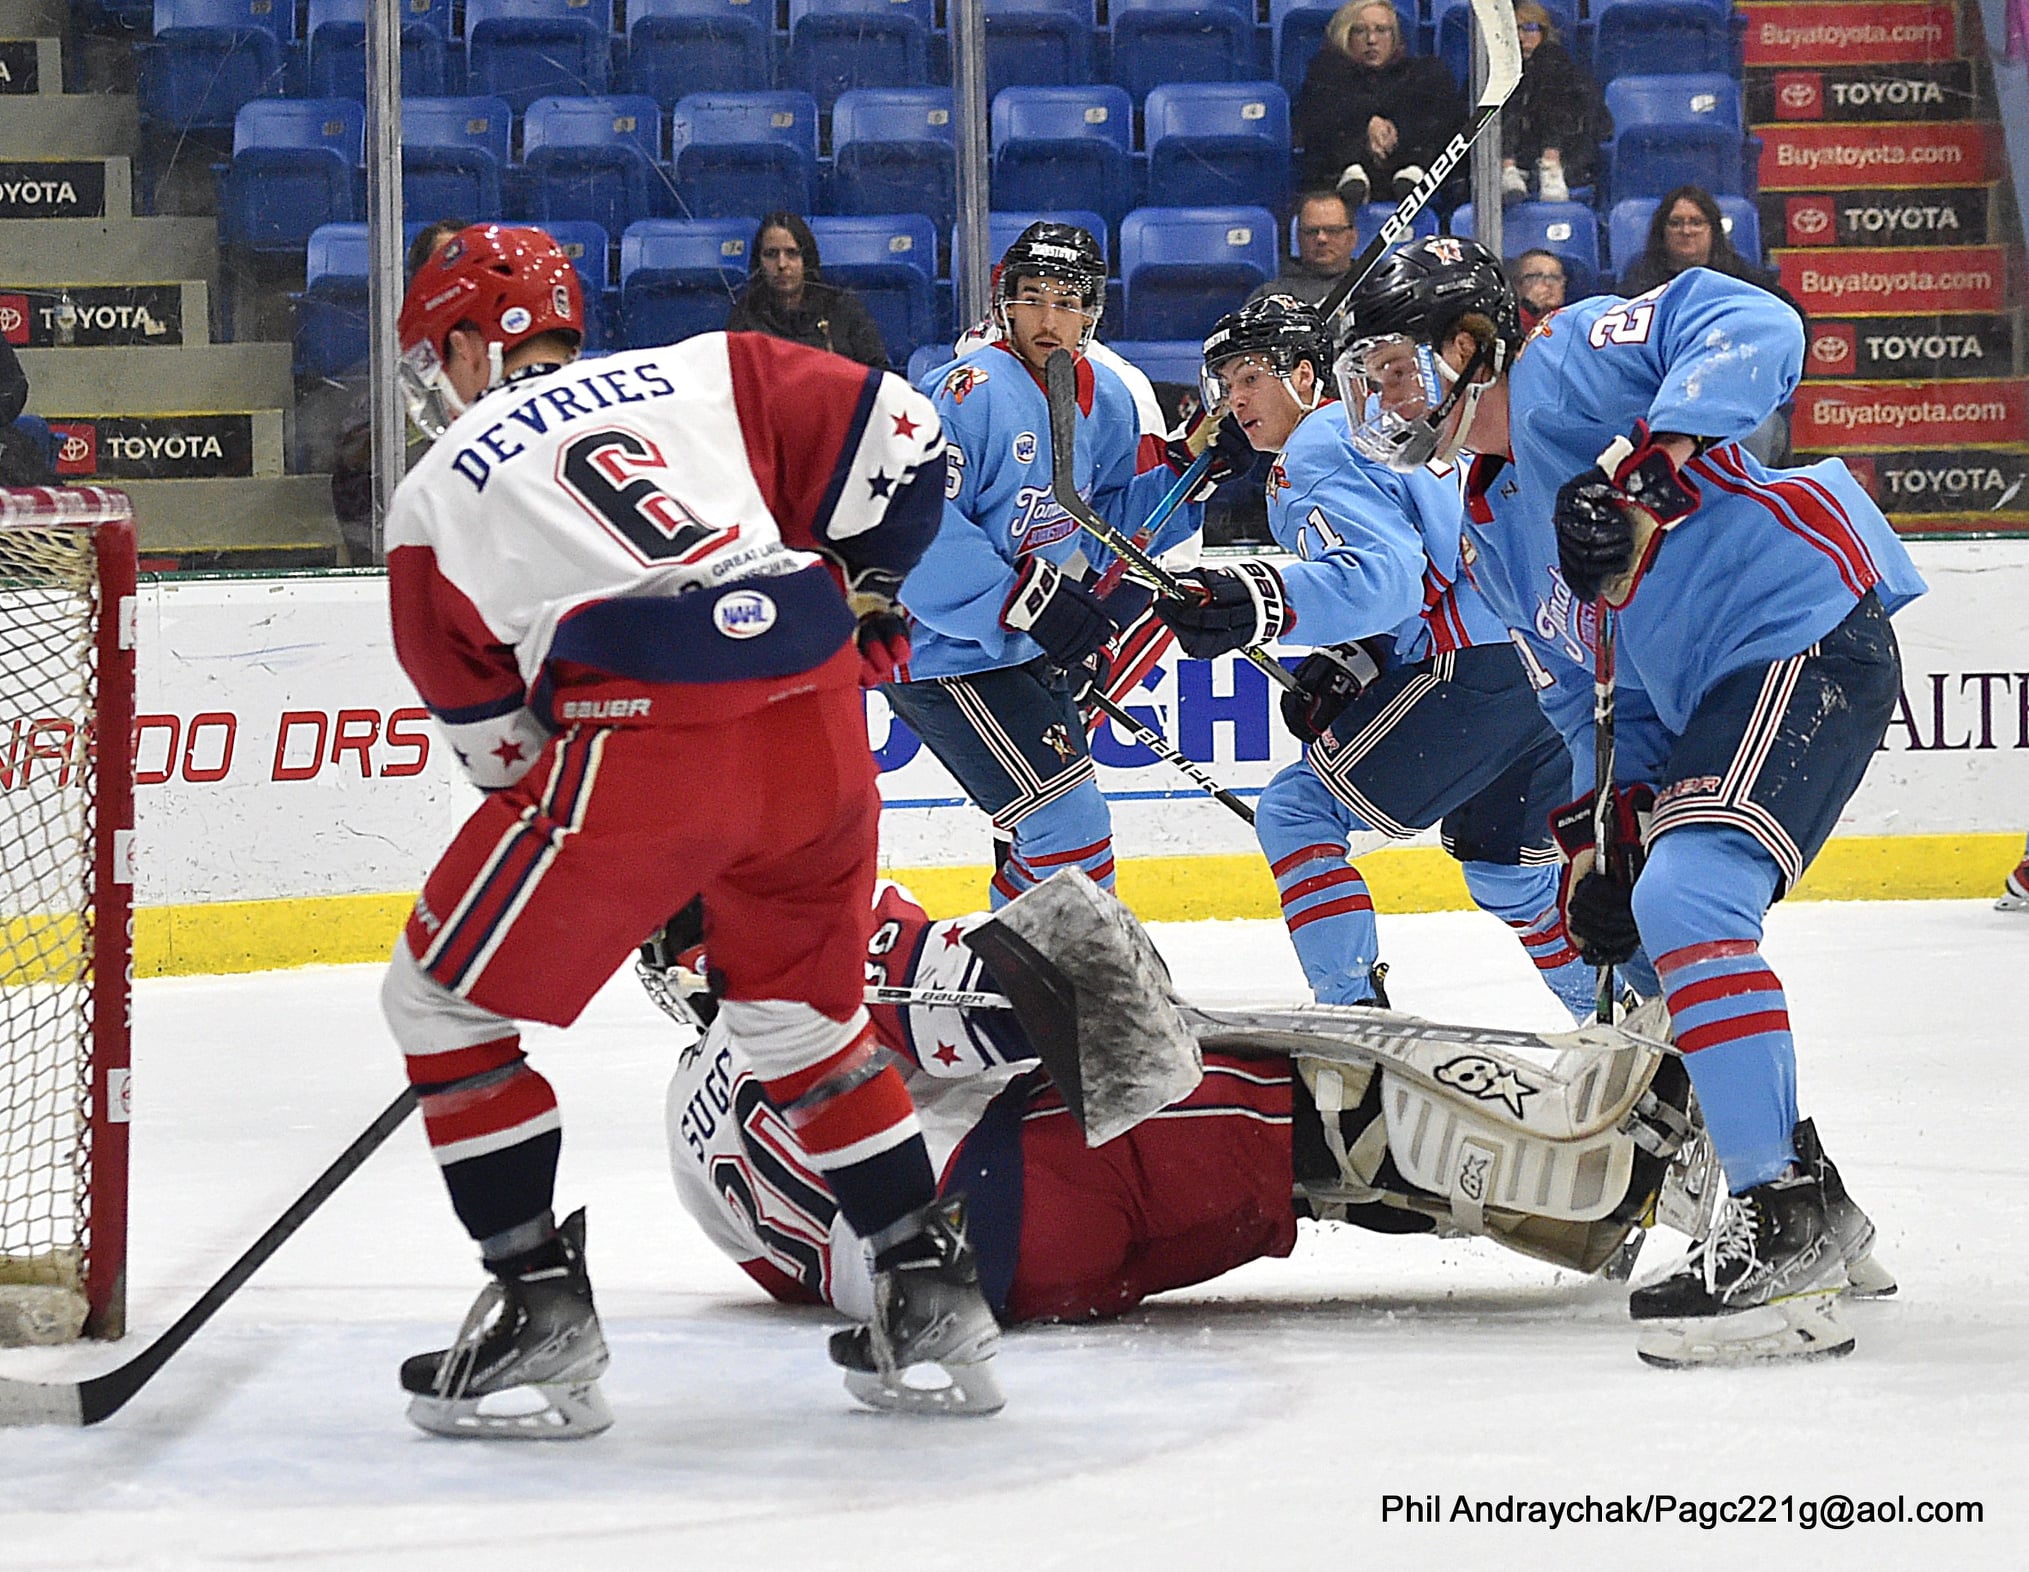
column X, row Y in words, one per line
column 998, row 507
column 1379, row 550
column 1771, row 560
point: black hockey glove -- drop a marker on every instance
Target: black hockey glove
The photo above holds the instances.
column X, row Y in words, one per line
column 1058, row 612
column 1598, row 902
column 883, row 632
column 1126, row 602
column 1229, row 609
column 1328, row 680
column 1609, row 518
column 1232, row 455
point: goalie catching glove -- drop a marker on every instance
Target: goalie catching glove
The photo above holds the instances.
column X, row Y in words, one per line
column 1610, row 520
column 1228, row 609
column 1327, row 681
column 1232, row 454
column 1598, row 903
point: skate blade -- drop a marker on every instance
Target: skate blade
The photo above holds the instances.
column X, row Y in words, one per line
column 968, row 1389
column 565, row 1411
column 2011, row 902
column 1867, row 1278
column 1619, row 1266
column 1805, row 1326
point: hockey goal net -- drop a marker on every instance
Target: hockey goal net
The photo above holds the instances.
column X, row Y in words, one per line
column 67, row 587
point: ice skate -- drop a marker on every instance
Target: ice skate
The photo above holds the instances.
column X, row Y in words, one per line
column 929, row 1315
column 1763, row 1286
column 525, row 1364
column 1851, row 1227
column 2015, row 891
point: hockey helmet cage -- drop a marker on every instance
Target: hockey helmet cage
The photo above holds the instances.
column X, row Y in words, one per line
column 509, row 284
column 1398, row 390
column 1283, row 331
column 1065, row 252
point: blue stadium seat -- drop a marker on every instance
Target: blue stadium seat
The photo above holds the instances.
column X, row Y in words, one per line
column 1635, row 37
column 744, row 153
column 1164, row 359
column 892, row 151
column 453, row 153
column 1627, row 229
column 1454, row 33
column 522, row 50
column 678, row 47
column 1569, row 229
column 890, row 262
column 1673, row 130
column 209, row 57
column 587, row 246
column 331, row 334
column 1157, row 41
column 594, row 159
column 1038, row 43
column 1372, row 215
column 1181, row 267
column 838, row 45
column 335, row 31
column 1210, row 143
column 296, row 163
column 1063, row 147
column 925, row 359
column 1002, row 230
column 679, row 277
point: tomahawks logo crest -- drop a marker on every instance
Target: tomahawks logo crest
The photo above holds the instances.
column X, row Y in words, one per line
column 1487, row 1080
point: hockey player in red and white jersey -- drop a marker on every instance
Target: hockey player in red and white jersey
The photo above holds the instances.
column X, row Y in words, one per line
column 642, row 595
column 1070, row 1232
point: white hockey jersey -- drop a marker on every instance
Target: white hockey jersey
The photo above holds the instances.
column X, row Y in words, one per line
column 655, row 537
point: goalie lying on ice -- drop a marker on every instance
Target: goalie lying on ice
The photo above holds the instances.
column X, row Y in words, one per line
column 1222, row 1176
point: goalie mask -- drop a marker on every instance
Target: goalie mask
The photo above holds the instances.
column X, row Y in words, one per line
column 1064, row 254
column 1407, row 406
column 1279, row 331
column 508, row 285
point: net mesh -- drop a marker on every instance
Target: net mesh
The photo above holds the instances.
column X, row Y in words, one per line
column 48, row 696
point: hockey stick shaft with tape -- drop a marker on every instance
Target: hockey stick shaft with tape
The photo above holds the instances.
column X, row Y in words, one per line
column 1167, row 751
column 1495, row 22
column 96, row 1397
column 1060, row 385
column 1602, row 776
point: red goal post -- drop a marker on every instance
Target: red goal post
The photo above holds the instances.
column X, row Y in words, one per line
column 67, row 625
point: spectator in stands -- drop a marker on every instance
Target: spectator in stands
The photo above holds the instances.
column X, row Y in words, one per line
column 1556, row 119
column 785, row 297
column 352, row 447
column 1688, row 231
column 21, row 461
column 1326, row 238
column 1371, row 116
column 1540, row 284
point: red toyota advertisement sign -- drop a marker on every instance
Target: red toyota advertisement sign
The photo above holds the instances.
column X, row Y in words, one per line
column 1912, row 153
column 1908, row 281
column 1832, row 417
column 1850, row 34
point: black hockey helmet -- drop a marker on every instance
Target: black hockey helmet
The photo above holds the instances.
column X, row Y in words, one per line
column 1283, row 332
column 1064, row 252
column 1399, row 393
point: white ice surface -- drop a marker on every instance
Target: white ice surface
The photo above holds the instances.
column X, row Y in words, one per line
column 1257, row 1421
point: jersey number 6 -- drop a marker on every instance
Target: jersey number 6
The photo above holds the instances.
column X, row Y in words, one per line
column 604, row 471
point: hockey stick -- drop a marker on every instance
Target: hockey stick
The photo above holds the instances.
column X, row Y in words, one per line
column 949, row 998
column 1167, row 751
column 1602, row 777
column 96, row 1397
column 1495, row 20
column 1060, row 383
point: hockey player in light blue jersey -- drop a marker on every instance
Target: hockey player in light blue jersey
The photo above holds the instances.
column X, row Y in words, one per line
column 1414, row 707
column 1756, row 672
column 1013, row 605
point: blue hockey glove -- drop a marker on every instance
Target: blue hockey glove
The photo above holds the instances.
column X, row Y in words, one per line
column 1229, row 609
column 1058, row 612
column 1328, row 680
column 1598, row 901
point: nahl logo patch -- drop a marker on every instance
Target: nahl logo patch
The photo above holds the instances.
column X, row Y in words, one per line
column 1486, row 1080
column 744, row 614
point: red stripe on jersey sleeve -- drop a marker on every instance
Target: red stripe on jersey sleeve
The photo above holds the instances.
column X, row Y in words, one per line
column 799, row 413
column 443, row 643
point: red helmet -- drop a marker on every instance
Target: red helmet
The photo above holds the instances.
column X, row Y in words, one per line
column 510, row 284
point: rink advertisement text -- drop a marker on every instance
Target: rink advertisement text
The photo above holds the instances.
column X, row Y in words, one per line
column 1836, row 1510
